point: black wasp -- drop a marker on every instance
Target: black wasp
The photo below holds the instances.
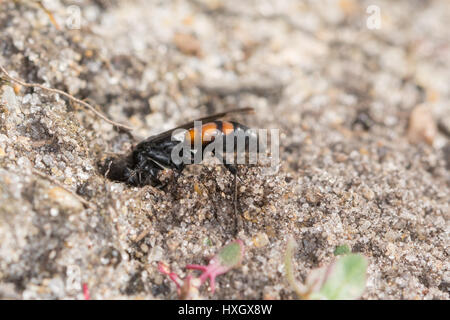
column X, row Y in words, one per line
column 152, row 155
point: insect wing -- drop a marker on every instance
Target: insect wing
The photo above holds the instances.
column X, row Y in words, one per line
column 189, row 125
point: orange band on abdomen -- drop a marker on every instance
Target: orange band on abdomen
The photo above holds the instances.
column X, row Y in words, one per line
column 209, row 131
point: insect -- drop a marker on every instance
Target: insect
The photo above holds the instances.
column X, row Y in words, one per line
column 154, row 154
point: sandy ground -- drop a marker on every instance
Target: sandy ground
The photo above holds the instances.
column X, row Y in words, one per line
column 358, row 166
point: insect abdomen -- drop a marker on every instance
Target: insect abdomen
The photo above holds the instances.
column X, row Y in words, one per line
column 209, row 131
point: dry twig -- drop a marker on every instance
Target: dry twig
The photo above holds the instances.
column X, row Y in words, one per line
column 65, row 94
column 49, row 14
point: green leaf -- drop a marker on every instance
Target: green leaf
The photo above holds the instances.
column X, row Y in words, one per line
column 207, row 242
column 341, row 250
column 231, row 255
column 345, row 280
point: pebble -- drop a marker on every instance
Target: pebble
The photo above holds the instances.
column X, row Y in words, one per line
column 368, row 193
column 260, row 240
column 155, row 254
column 9, row 99
column 64, row 199
column 313, row 196
column 187, row 44
column 422, row 126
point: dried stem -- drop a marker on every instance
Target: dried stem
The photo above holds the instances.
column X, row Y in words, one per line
column 65, row 94
column 299, row 289
column 49, row 14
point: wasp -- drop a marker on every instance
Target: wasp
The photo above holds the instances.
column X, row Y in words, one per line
column 154, row 154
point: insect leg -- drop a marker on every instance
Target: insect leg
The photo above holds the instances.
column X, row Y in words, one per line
column 147, row 172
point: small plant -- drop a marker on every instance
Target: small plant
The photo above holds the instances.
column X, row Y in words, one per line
column 344, row 279
column 229, row 257
column 86, row 294
column 340, row 250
